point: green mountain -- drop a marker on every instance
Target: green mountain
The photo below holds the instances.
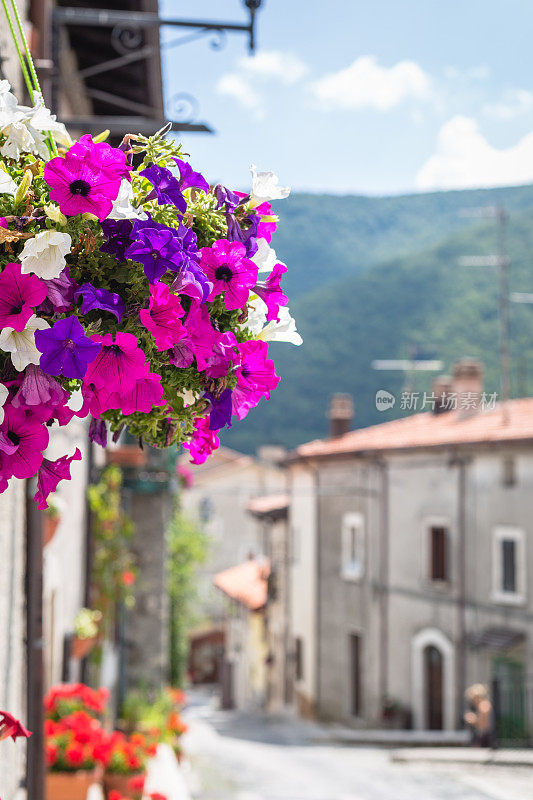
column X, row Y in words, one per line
column 421, row 302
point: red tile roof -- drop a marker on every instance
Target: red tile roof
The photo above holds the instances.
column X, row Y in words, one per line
column 268, row 504
column 511, row 422
column 247, row 583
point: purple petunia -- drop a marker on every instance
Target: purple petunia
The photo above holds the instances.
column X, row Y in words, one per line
column 65, row 348
column 221, row 410
column 98, row 432
column 156, row 248
column 189, row 179
column 101, row 299
column 118, row 233
column 166, row 187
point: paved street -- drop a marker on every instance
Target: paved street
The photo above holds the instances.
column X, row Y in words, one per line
column 247, row 757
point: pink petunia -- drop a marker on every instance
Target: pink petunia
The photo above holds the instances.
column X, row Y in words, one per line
column 163, row 317
column 23, row 438
column 203, row 441
column 201, row 334
column 270, row 292
column 50, row 474
column 110, row 159
column 256, row 377
column 230, row 272
column 118, row 366
column 146, row 394
column 267, row 222
column 223, row 354
column 19, row 295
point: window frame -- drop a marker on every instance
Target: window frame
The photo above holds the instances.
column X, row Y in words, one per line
column 501, row 534
column 432, row 529
column 353, row 531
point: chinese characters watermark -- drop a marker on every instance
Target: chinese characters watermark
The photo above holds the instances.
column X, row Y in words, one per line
column 429, row 401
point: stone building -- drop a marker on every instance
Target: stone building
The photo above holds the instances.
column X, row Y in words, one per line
column 412, row 553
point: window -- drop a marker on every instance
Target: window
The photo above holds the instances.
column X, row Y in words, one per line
column 508, row 471
column 509, row 568
column 355, row 674
column 438, row 553
column 298, row 659
column 353, row 546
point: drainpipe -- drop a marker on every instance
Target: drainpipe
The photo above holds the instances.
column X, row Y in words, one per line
column 460, row 662
column 318, row 625
column 34, row 646
column 384, row 581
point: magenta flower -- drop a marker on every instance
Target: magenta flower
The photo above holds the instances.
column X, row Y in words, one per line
column 111, row 160
column 38, row 388
column 83, row 181
column 65, row 348
column 230, row 271
column 203, row 441
column 26, row 437
column 270, row 292
column 201, row 334
column 267, row 222
column 256, row 377
column 10, row 726
column 182, row 354
column 60, row 294
column 146, row 394
column 19, row 295
column 162, row 317
column 223, row 354
column 118, row 366
column 50, row 474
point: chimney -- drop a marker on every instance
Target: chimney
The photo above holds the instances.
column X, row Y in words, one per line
column 340, row 415
column 468, row 384
column 442, row 388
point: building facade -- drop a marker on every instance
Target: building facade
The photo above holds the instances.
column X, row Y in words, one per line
column 421, row 543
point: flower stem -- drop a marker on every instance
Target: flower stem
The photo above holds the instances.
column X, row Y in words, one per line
column 19, row 53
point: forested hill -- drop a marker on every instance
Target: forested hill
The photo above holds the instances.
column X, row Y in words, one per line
column 375, row 278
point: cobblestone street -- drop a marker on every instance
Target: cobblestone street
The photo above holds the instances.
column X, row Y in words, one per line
column 246, row 757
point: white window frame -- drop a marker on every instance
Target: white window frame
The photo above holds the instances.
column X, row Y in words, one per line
column 517, row 535
column 353, row 530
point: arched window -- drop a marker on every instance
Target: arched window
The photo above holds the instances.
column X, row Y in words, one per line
column 433, row 686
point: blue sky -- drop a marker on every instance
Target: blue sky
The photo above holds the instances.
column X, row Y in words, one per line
column 363, row 96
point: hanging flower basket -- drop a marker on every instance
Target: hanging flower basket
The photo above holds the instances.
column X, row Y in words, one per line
column 70, row 785
column 139, row 296
column 80, row 648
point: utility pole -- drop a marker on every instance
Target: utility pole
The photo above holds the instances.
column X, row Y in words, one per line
column 502, row 262
column 407, row 366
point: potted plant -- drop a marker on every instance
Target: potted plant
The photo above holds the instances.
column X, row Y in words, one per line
column 66, row 698
column 75, row 746
column 52, row 518
column 86, row 626
column 125, row 764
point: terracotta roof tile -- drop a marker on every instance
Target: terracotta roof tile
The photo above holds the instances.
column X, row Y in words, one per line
column 247, row 583
column 512, row 422
column 268, row 504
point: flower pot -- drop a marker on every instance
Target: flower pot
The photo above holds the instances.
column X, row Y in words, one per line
column 69, row 785
column 50, row 528
column 127, row 456
column 121, row 783
column 82, row 647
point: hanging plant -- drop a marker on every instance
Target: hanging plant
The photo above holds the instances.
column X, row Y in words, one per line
column 140, row 297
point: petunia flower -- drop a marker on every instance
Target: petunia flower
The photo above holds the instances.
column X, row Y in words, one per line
column 119, row 364
column 221, row 410
column 111, row 160
column 201, row 335
column 203, row 441
column 146, row 394
column 222, row 355
column 82, row 182
column 225, row 197
column 265, row 187
column 59, row 294
column 182, row 354
column 21, row 344
column 156, row 249
column 4, row 394
column 118, row 233
column 22, row 441
column 244, row 231
column 256, row 377
column 230, row 272
column 10, row 726
column 19, row 295
column 44, row 254
column 65, row 349
column 282, row 330
column 163, row 317
column 166, row 187
column 101, row 299
column 7, row 184
column 38, row 388
column 270, row 292
column 50, row 474
column 189, row 179
column 98, row 432
column 265, row 257
column 122, row 206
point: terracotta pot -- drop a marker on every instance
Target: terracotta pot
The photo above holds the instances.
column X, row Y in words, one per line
column 82, row 647
column 69, row 785
column 120, row 783
column 50, row 528
column 127, row 456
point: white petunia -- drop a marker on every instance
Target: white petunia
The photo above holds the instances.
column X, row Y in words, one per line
column 44, row 254
column 282, row 331
column 265, row 258
column 21, row 344
column 4, row 393
column 265, row 187
column 7, row 184
column 122, row 207
column 18, row 138
column 40, row 119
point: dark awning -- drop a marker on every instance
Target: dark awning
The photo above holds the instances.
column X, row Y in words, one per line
column 495, row 638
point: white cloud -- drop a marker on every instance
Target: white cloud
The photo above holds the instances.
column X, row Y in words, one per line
column 287, row 67
column 479, row 73
column 366, row 84
column 514, row 103
column 465, row 159
column 234, row 85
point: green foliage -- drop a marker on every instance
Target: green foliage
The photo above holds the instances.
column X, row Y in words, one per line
column 113, row 567
column 423, row 302
column 188, row 548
